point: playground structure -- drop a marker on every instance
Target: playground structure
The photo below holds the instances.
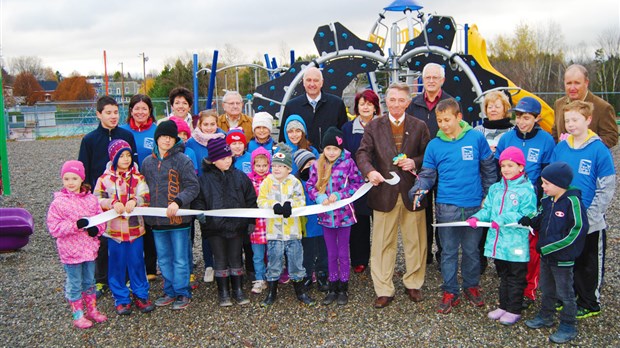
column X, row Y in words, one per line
column 16, row 226
column 343, row 56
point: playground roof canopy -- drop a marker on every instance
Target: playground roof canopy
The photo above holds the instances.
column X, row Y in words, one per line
column 403, row 5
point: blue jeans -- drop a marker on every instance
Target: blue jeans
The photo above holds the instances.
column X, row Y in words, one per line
column 80, row 278
column 172, row 254
column 258, row 258
column 556, row 283
column 127, row 258
column 453, row 238
column 294, row 254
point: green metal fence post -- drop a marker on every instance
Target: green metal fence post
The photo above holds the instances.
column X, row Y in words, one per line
column 6, row 178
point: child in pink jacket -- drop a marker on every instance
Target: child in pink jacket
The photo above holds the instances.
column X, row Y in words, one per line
column 77, row 247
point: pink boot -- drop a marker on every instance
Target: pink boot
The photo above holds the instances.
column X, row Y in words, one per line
column 496, row 314
column 91, row 308
column 79, row 321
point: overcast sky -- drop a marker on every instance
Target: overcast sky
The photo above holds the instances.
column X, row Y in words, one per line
column 71, row 35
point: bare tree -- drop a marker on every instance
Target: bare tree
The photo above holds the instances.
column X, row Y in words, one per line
column 607, row 58
column 30, row 64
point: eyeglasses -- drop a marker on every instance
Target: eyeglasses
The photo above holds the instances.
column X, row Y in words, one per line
column 432, row 78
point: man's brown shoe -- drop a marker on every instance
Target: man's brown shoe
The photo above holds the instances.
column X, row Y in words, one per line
column 383, row 301
column 415, row 295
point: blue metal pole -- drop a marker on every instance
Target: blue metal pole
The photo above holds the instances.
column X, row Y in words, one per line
column 292, row 57
column 212, row 81
column 274, row 65
column 466, row 38
column 195, row 75
column 268, row 66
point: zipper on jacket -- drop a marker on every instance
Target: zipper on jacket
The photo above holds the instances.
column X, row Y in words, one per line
column 500, row 213
column 109, row 135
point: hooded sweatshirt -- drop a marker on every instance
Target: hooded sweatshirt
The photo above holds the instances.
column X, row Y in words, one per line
column 293, row 146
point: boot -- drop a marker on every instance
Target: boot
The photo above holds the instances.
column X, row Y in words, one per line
column 79, row 320
column 223, row 291
column 237, row 289
column 272, row 293
column 323, row 284
column 343, row 294
column 308, row 282
column 90, row 299
column 331, row 293
column 300, row 291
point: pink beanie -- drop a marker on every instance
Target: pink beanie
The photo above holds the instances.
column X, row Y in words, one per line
column 514, row 154
column 75, row 167
column 182, row 126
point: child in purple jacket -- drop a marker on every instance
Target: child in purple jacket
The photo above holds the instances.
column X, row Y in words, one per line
column 334, row 177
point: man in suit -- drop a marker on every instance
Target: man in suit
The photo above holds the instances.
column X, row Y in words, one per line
column 603, row 123
column 384, row 139
column 319, row 110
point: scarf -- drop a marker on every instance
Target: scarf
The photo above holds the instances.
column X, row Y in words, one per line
column 141, row 128
column 203, row 138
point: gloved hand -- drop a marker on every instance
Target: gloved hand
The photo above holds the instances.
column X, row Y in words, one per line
column 287, row 210
column 93, row 231
column 81, row 223
column 473, row 222
column 525, row 221
column 277, row 209
column 201, row 218
column 495, row 225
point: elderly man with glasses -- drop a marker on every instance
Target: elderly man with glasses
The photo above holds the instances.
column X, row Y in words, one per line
column 233, row 116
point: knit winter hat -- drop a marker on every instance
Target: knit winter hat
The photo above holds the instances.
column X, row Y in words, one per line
column 333, row 136
column 302, row 157
column 283, row 156
column 262, row 119
column 169, row 128
column 182, row 126
column 236, row 134
column 294, row 124
column 514, row 154
column 528, row 105
column 558, row 173
column 75, row 167
column 116, row 149
column 217, row 149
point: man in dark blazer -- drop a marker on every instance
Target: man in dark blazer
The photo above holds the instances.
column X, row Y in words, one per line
column 384, row 140
column 319, row 110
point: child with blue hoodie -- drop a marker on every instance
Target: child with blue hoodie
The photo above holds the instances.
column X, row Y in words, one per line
column 296, row 137
column 507, row 202
column 457, row 158
column 562, row 223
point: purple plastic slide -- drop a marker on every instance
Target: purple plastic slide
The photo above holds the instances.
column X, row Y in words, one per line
column 16, row 226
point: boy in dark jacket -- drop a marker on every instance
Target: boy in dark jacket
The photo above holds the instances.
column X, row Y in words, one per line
column 222, row 186
column 173, row 185
column 562, row 223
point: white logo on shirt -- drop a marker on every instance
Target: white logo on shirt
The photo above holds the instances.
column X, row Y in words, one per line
column 585, row 166
column 148, row 143
column 532, row 155
column 467, row 152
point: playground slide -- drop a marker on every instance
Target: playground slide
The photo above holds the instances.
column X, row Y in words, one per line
column 478, row 49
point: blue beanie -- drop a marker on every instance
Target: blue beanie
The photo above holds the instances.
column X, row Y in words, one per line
column 558, row 173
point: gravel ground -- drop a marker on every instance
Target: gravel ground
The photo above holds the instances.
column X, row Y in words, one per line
column 33, row 311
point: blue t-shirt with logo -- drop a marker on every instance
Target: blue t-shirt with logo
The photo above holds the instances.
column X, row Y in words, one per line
column 589, row 163
column 537, row 150
column 457, row 163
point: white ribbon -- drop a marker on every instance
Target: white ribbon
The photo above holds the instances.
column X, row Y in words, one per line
column 242, row 212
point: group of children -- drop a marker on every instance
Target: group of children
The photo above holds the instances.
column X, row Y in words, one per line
column 577, row 177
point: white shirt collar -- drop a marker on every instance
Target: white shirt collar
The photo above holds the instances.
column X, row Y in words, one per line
column 393, row 119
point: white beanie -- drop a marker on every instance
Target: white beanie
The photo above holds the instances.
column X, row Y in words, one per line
column 262, row 119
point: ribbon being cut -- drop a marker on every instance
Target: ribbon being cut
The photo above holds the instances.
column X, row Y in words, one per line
column 242, row 212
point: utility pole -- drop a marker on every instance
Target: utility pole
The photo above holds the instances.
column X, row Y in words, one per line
column 144, row 60
column 122, row 85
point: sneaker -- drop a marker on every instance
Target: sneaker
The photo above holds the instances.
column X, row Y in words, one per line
column 362, row 268
column 284, row 278
column 496, row 314
column 181, row 303
column 449, row 300
column 474, row 296
column 100, row 289
column 143, row 305
column 559, row 306
column 164, row 301
column 564, row 334
column 192, row 282
column 258, row 286
column 123, row 309
column 209, row 275
column 509, row 318
column 539, row 322
column 583, row 313
column 151, row 277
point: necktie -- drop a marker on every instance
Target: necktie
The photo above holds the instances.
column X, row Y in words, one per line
column 313, row 103
column 397, row 122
